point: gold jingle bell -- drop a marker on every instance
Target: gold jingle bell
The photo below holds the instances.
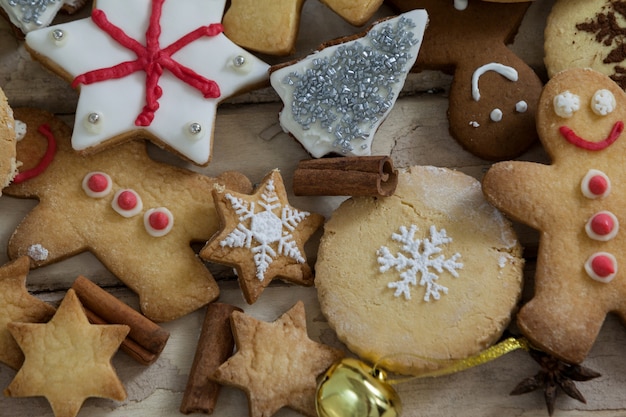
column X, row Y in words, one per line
column 351, row 388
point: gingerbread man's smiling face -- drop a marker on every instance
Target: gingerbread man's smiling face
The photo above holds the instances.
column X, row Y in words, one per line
column 581, row 111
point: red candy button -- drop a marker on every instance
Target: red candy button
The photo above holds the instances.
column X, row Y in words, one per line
column 602, row 226
column 158, row 221
column 127, row 203
column 595, row 184
column 97, row 184
column 602, row 267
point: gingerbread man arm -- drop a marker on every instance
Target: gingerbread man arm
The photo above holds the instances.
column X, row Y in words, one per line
column 507, row 187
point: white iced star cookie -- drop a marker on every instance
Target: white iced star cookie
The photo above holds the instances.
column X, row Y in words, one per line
column 432, row 271
column 336, row 98
column 160, row 76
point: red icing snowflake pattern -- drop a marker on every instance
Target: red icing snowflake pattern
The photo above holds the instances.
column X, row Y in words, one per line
column 152, row 59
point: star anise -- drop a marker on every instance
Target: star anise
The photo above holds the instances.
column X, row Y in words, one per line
column 554, row 374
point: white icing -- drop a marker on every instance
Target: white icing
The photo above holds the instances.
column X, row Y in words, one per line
column 506, row 71
column 120, row 101
column 496, row 115
column 460, row 4
column 316, row 140
column 521, row 106
column 593, row 274
column 158, row 232
column 420, row 258
column 127, row 213
column 608, row 236
column 584, row 184
column 474, row 123
column 37, row 252
column 566, row 104
column 603, row 102
column 97, row 194
column 20, row 130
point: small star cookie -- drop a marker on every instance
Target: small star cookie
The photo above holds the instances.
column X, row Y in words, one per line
column 577, row 203
column 262, row 236
column 136, row 215
column 16, row 304
column 67, row 359
column 150, row 69
column 276, row 363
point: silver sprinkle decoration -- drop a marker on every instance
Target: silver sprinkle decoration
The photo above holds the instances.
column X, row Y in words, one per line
column 58, row 34
column 239, row 60
column 195, row 128
column 354, row 85
column 93, row 118
column 32, row 9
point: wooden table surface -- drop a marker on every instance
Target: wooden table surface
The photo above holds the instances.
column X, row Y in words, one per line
column 416, row 133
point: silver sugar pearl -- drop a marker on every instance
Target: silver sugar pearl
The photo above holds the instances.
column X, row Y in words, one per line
column 58, row 34
column 93, row 118
column 239, row 60
column 195, row 128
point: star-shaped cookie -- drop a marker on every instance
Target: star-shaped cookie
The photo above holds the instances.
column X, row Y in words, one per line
column 154, row 69
column 16, row 304
column 67, row 359
column 494, row 93
column 577, row 203
column 136, row 215
column 276, row 363
column 262, row 236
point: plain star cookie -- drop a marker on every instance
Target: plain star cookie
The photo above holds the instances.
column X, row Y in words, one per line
column 433, row 271
column 17, row 305
column 136, row 215
column 577, row 203
column 494, row 93
column 67, row 359
column 336, row 98
column 154, row 69
column 262, row 236
column 276, row 364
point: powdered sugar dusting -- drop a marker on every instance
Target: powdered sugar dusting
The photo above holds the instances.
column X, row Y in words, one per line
column 37, row 252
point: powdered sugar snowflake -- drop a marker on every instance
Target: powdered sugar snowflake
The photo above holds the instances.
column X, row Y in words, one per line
column 419, row 260
column 259, row 232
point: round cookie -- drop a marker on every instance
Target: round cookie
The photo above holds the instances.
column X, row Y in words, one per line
column 587, row 34
column 8, row 164
column 437, row 229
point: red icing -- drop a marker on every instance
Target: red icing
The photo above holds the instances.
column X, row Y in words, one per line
column 97, row 183
column 45, row 161
column 576, row 140
column 127, row 200
column 152, row 59
column 602, row 224
column 598, row 184
column 158, row 220
column 603, row 266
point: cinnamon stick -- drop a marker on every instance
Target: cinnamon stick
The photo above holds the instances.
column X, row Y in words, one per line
column 215, row 345
column 145, row 341
column 346, row 176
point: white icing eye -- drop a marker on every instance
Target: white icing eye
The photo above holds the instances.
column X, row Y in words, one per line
column 127, row 203
column 595, row 184
column 565, row 104
column 97, row 184
column 496, row 115
column 603, row 226
column 158, row 221
column 603, row 102
column 20, row 130
column 601, row 266
column 93, row 122
column 521, row 106
column 241, row 63
column 58, row 36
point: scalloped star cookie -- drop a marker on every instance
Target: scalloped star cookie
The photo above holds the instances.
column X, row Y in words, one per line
column 136, row 215
column 153, row 70
column 262, row 236
column 276, row 363
column 67, row 359
column 17, row 305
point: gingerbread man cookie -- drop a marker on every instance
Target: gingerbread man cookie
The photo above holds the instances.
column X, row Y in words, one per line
column 136, row 215
column 494, row 93
column 577, row 203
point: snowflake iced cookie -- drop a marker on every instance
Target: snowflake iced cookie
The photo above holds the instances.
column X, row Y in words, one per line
column 262, row 236
column 587, row 34
column 67, row 359
column 336, row 98
column 136, row 215
column 577, row 203
column 28, row 15
column 150, row 69
column 8, row 138
column 276, row 363
column 494, row 93
column 433, row 271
